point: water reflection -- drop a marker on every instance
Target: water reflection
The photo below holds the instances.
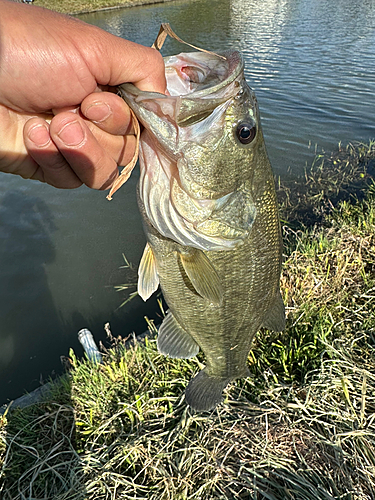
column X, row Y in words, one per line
column 306, row 62
column 26, row 228
column 256, row 28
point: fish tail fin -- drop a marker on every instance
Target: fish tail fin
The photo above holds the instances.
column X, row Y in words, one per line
column 204, row 392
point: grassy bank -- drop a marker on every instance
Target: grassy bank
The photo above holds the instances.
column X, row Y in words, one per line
column 301, row 427
column 81, row 6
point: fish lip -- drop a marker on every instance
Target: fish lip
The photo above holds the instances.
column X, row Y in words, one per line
column 236, row 67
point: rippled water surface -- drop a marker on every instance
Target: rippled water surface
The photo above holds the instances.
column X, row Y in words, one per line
column 311, row 64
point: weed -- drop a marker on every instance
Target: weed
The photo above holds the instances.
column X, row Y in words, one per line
column 78, row 6
column 302, row 426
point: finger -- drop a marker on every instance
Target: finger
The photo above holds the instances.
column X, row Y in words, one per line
column 120, row 148
column 51, row 166
column 73, row 109
column 94, row 161
column 151, row 62
column 109, row 112
column 124, row 61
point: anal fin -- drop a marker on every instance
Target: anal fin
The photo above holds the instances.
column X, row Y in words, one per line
column 202, row 275
column 174, row 341
column 275, row 316
column 148, row 279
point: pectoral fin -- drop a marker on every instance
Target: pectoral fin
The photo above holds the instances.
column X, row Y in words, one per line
column 202, row 275
column 148, row 279
column 174, row 341
column 275, row 317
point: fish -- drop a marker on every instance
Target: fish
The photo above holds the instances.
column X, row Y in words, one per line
column 208, row 203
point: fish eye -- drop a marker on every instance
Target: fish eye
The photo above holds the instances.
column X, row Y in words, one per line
column 246, row 132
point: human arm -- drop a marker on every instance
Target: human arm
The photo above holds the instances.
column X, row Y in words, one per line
column 51, row 65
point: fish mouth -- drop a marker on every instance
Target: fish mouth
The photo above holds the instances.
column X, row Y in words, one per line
column 197, row 70
column 203, row 87
column 206, row 82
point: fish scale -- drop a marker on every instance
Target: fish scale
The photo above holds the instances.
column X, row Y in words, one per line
column 219, row 291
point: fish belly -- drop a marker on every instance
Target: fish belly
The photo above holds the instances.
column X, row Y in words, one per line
column 250, row 280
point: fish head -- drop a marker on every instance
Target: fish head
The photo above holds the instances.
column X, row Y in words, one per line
column 208, row 124
column 203, row 139
column 218, row 151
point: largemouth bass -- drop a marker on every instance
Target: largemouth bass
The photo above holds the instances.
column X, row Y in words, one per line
column 207, row 197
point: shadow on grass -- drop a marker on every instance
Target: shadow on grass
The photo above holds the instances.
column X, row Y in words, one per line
column 342, row 175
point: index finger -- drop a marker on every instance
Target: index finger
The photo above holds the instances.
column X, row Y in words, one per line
column 123, row 61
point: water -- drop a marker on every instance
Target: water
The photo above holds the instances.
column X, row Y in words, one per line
column 311, row 64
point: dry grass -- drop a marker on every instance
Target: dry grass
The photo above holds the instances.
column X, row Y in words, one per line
column 310, row 441
column 302, row 427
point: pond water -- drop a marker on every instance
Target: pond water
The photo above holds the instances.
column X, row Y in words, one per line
column 311, row 63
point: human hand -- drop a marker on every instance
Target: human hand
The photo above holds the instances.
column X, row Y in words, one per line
column 57, row 125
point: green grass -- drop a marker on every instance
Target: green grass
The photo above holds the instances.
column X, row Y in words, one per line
column 77, row 6
column 301, row 427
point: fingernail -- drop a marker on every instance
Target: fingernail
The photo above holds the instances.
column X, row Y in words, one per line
column 39, row 135
column 72, row 134
column 98, row 112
